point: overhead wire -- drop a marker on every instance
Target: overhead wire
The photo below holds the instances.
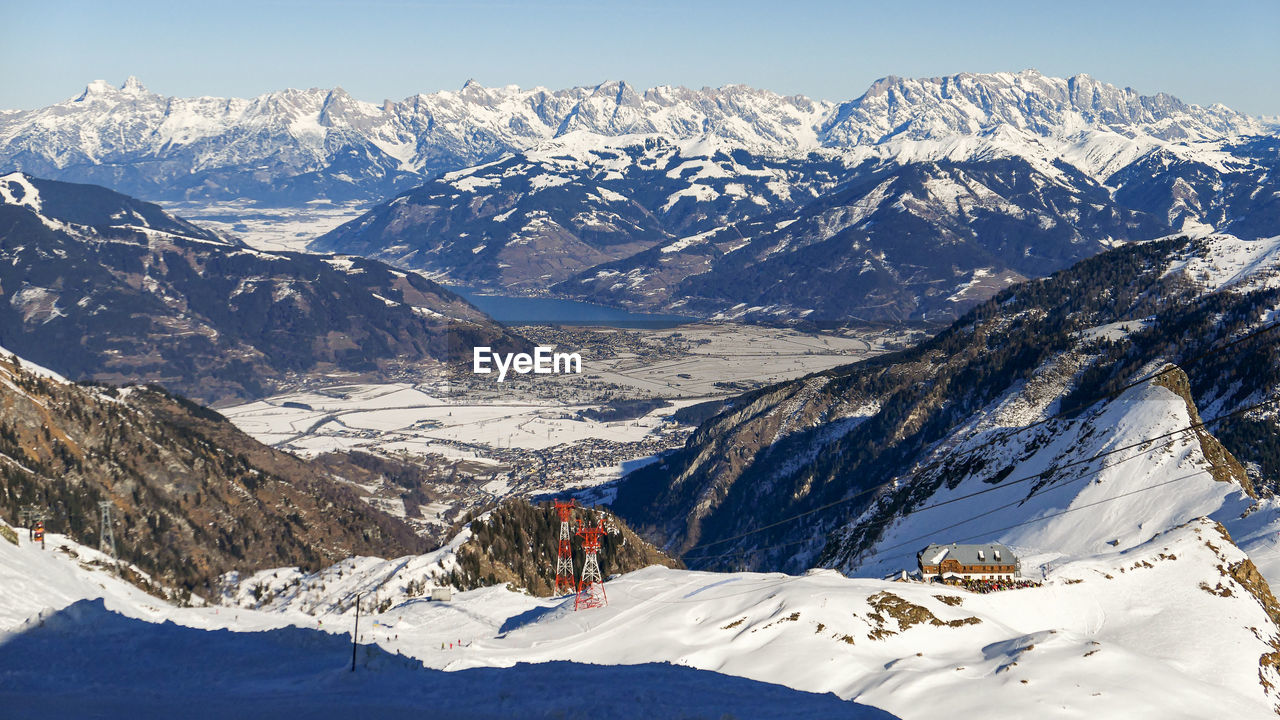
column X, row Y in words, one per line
column 884, row 551
column 1004, row 435
column 1005, row 484
column 1001, row 486
column 1060, row 513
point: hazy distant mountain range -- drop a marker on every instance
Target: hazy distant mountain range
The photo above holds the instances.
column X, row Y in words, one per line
column 297, row 145
column 912, row 202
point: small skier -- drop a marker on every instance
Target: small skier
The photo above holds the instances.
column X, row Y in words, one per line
column 38, row 536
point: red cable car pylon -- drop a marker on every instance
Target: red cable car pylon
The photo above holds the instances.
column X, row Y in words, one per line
column 564, row 555
column 591, row 586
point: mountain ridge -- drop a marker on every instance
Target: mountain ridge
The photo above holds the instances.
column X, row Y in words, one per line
column 192, row 496
column 919, row 198
column 138, row 296
column 927, row 420
column 303, row 144
column 917, row 232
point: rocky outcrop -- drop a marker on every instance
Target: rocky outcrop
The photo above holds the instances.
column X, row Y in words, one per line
column 1223, row 465
column 515, row 544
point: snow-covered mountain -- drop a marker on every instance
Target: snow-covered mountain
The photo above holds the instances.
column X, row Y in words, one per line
column 99, row 285
column 891, row 243
column 970, row 104
column 860, row 453
column 911, row 203
column 919, row 198
column 294, row 146
column 527, row 221
column 925, row 240
column 706, row 229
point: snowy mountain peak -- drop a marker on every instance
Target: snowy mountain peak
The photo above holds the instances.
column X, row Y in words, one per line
column 95, row 88
column 101, row 89
column 618, row 89
column 322, row 142
column 970, row 103
column 132, row 85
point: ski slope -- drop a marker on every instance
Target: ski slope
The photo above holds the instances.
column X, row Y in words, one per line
column 77, row 642
column 1160, row 630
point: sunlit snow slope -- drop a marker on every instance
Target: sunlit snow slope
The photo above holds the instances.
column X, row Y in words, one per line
column 1178, row 627
column 94, row 646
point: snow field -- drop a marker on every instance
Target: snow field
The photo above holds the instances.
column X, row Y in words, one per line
column 1230, row 262
column 744, row 625
column 266, row 228
column 1154, row 631
column 399, row 417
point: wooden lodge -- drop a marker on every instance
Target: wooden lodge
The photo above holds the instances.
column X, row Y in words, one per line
column 992, row 561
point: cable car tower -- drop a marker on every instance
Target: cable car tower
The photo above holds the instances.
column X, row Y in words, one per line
column 107, row 537
column 591, row 585
column 564, row 555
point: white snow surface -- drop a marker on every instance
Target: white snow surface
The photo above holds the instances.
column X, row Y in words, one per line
column 32, row 368
column 1146, row 632
column 402, row 416
column 26, row 195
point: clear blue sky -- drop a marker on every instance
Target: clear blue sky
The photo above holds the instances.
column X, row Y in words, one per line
column 1202, row 52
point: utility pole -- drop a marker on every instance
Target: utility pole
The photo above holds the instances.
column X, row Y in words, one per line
column 355, row 635
column 107, row 539
column 564, row 554
column 591, row 586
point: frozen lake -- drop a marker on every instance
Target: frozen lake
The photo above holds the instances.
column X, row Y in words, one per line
column 514, row 310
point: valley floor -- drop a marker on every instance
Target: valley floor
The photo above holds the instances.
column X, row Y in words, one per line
column 269, row 228
column 538, row 434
